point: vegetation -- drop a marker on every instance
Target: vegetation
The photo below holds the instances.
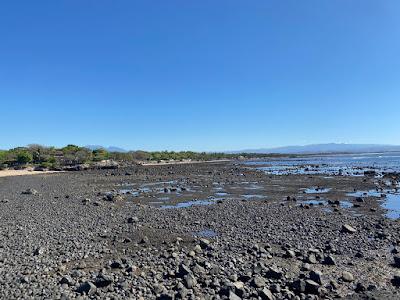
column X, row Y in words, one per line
column 54, row 158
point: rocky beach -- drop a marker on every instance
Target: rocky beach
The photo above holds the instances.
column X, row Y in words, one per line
column 221, row 230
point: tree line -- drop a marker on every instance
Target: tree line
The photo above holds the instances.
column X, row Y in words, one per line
column 53, row 158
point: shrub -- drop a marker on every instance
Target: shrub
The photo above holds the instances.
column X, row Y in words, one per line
column 24, row 157
column 3, row 156
column 100, row 154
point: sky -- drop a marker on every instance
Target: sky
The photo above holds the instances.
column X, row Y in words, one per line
column 199, row 75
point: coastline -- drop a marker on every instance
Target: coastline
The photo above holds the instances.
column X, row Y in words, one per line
column 12, row 173
column 184, row 162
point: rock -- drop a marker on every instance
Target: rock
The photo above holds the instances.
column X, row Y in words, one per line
column 348, row 229
column 258, row 282
column 299, row 286
column 306, row 267
column 334, row 284
column 103, row 280
column 198, row 270
column 316, row 276
column 24, row 279
column 38, row 251
column 197, row 249
column 370, row 173
column 233, row 296
column 165, row 297
column 396, row 280
column 312, row 287
column 274, row 273
column 189, row 281
column 204, row 243
column 113, row 197
column 116, row 264
column 275, row 288
column 87, row 288
column 266, row 294
column 183, row 270
column 290, row 254
column 329, row 261
column 67, row 280
column 30, row 192
column 360, row 288
column 396, row 259
column 145, row 240
column 107, row 165
column 347, row 276
column 238, row 285
column 312, row 259
column 359, row 254
column 132, row 220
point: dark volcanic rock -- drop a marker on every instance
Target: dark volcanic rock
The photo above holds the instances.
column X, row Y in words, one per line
column 54, row 247
column 87, row 288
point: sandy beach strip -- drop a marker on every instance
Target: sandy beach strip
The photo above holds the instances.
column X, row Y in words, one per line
column 9, row 173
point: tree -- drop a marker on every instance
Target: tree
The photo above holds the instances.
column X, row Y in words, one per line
column 100, row 154
column 3, row 157
column 24, row 157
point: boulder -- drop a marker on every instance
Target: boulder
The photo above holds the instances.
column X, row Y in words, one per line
column 347, row 276
column 87, row 288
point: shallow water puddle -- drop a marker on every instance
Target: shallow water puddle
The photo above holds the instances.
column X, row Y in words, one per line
column 314, row 202
column 392, row 204
column 346, row 204
column 220, row 194
column 370, row 193
column 158, row 183
column 219, row 188
column 323, row 202
column 390, row 201
column 186, row 204
column 316, row 190
column 253, row 197
column 134, row 192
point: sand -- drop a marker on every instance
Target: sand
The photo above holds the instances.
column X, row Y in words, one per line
column 9, row 173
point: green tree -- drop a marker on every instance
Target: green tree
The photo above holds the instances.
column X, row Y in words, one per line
column 100, row 154
column 24, row 157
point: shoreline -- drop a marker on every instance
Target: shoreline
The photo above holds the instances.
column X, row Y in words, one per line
column 12, row 173
column 288, row 231
column 185, row 162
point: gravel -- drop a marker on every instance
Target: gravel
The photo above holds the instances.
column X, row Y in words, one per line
column 77, row 235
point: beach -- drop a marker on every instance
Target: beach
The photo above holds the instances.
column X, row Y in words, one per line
column 195, row 231
column 10, row 173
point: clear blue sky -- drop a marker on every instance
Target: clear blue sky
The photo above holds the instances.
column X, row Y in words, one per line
column 200, row 75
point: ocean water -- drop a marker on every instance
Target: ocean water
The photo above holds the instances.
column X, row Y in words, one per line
column 346, row 164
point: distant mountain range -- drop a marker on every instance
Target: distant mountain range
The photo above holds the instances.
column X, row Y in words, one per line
column 325, row 148
column 109, row 149
column 307, row 149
